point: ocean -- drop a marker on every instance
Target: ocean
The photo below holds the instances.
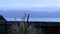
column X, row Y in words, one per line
column 36, row 19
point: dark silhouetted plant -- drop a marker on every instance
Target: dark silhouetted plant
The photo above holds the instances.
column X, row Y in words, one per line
column 22, row 27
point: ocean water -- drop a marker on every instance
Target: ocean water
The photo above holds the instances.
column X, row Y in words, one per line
column 34, row 15
column 36, row 19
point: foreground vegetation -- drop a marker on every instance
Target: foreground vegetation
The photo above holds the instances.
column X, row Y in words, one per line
column 23, row 27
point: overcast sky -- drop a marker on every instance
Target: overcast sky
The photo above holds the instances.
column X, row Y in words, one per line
column 33, row 4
